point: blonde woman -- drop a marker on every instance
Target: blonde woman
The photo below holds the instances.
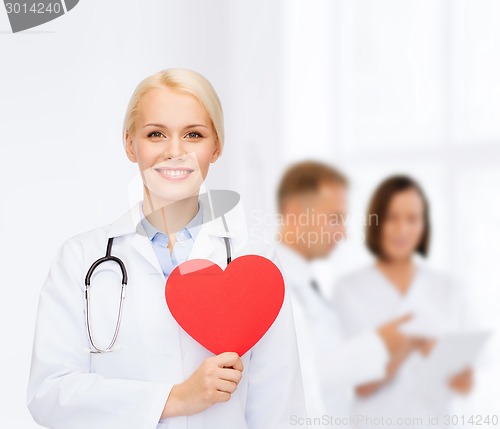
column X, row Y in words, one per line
column 152, row 374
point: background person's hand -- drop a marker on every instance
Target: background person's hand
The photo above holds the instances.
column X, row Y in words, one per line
column 214, row 381
column 462, row 382
column 399, row 346
column 393, row 338
column 424, row 345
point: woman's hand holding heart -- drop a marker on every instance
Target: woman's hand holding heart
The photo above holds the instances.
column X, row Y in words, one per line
column 214, row 381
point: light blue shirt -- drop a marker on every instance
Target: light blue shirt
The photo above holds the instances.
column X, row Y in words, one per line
column 184, row 240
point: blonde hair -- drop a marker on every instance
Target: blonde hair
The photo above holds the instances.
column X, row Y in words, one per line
column 182, row 80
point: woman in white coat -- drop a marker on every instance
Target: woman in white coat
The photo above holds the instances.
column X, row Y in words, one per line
column 397, row 229
column 156, row 375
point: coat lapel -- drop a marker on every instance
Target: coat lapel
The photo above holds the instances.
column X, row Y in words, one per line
column 209, row 243
column 130, row 224
column 141, row 244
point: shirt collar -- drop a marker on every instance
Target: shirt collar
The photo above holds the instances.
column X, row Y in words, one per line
column 189, row 231
column 220, row 219
column 296, row 268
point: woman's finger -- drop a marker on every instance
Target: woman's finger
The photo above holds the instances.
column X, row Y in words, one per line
column 225, row 386
column 229, row 374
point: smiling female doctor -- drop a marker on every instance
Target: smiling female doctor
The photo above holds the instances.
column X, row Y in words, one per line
column 156, row 375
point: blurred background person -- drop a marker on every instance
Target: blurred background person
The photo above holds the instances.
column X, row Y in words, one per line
column 312, row 204
column 398, row 229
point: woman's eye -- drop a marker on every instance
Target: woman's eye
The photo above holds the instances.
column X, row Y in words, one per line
column 155, row 134
column 193, row 135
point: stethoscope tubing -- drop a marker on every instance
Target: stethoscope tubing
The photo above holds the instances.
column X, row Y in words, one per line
column 106, row 258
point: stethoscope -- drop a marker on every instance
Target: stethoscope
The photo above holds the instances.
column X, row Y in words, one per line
column 106, row 258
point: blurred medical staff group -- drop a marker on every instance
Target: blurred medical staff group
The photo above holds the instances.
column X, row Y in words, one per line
column 359, row 364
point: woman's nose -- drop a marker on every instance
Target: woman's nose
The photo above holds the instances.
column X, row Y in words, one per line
column 174, row 148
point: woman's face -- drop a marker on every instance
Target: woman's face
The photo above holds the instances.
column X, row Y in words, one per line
column 403, row 226
column 173, row 143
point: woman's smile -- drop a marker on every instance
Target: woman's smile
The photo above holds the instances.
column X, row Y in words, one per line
column 175, row 174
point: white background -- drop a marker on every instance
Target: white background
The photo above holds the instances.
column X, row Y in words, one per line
column 374, row 87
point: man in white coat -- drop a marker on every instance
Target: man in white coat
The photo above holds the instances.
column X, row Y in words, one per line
column 312, row 204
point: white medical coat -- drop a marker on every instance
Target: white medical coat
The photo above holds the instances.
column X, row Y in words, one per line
column 366, row 299
column 70, row 388
column 331, row 365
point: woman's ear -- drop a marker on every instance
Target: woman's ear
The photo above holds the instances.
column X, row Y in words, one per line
column 129, row 147
column 216, row 153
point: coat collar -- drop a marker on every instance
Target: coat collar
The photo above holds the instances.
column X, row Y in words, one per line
column 296, row 268
column 299, row 273
column 223, row 216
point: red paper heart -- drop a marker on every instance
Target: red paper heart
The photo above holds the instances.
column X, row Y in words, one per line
column 226, row 310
